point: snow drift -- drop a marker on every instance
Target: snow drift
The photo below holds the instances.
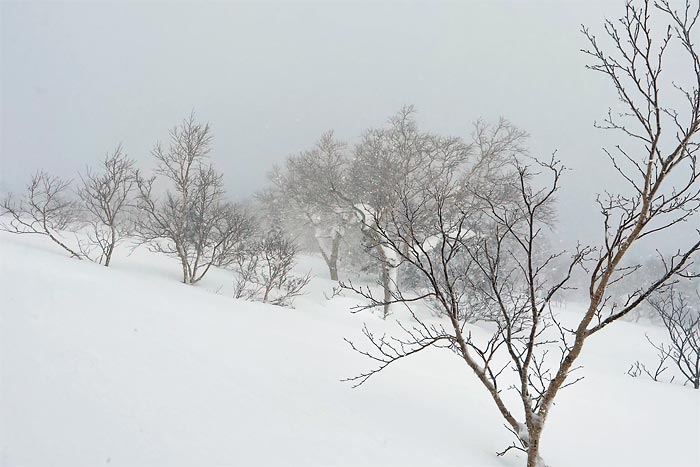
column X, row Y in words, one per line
column 125, row 366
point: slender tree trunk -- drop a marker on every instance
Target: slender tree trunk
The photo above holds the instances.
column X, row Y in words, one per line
column 185, row 267
column 63, row 245
column 389, row 278
column 185, row 273
column 385, row 285
column 110, row 248
column 332, row 258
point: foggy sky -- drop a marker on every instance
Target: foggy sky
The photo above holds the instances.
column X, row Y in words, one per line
column 78, row 78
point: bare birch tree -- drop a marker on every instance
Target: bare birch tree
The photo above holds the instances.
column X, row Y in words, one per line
column 45, row 209
column 105, row 195
column 681, row 318
column 264, row 270
column 302, row 189
column 392, row 165
column 499, row 271
column 192, row 221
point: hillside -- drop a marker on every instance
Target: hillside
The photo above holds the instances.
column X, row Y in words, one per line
column 125, row 366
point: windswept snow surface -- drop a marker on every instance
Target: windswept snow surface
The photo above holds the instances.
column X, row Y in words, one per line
column 125, row 366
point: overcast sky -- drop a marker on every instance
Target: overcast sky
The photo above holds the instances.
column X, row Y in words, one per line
column 270, row 77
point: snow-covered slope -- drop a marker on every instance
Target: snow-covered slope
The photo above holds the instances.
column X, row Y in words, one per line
column 127, row 367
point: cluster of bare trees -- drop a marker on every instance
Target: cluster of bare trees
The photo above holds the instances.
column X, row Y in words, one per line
column 46, row 209
column 181, row 211
column 465, row 221
column 49, row 208
column 265, row 271
column 388, row 179
column 472, row 222
column 300, row 196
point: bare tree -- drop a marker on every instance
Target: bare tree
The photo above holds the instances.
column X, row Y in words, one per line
column 264, row 270
column 302, row 190
column 682, row 321
column 192, row 222
column 45, row 209
column 105, row 197
column 392, row 165
column 655, row 374
column 480, row 263
column 504, row 279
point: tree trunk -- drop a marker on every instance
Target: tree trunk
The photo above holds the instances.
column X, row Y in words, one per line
column 63, row 245
column 385, row 285
column 390, row 277
column 533, row 448
column 185, row 273
column 110, row 248
column 332, row 258
column 185, row 267
column 333, row 263
column 333, row 271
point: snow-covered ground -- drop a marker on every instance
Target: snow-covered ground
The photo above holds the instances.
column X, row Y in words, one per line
column 125, row 366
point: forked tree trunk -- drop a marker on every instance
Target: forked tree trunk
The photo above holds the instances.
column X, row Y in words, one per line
column 331, row 258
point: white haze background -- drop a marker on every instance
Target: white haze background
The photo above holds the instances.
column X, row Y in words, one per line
column 78, row 78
